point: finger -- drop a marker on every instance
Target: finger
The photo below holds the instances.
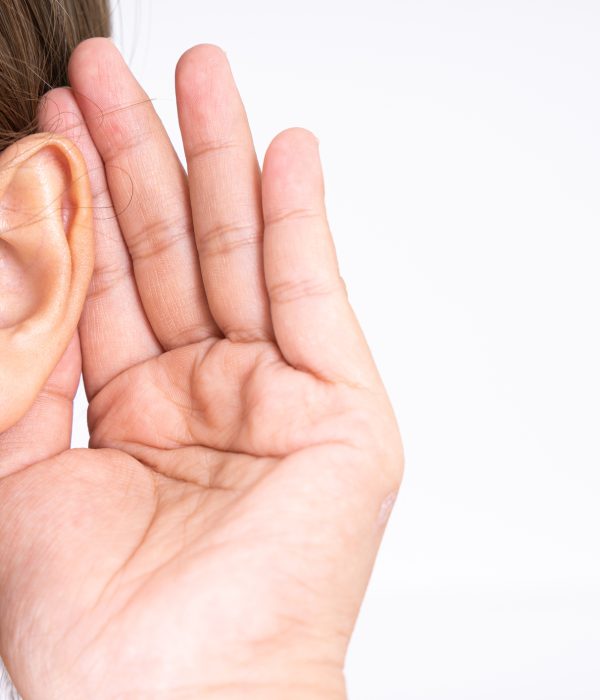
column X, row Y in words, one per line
column 225, row 193
column 150, row 192
column 45, row 430
column 315, row 327
column 114, row 331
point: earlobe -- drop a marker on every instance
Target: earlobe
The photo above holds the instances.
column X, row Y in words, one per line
column 46, row 262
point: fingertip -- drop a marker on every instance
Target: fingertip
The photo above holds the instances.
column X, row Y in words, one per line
column 49, row 105
column 197, row 58
column 291, row 148
column 53, row 107
column 201, row 52
column 293, row 138
column 292, row 169
column 59, row 114
column 92, row 58
column 88, row 50
column 201, row 71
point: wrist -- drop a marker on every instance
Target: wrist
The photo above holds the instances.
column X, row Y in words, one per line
column 308, row 683
column 316, row 688
column 301, row 690
column 294, row 667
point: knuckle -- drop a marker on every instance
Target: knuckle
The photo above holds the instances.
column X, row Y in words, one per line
column 293, row 215
column 209, row 148
column 223, row 239
column 122, row 138
column 105, row 278
column 290, row 290
column 157, row 236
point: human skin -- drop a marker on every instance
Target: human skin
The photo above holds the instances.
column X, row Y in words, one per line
column 217, row 539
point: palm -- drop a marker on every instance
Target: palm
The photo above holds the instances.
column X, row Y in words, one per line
column 236, row 477
column 193, row 515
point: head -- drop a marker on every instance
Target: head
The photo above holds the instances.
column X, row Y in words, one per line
column 46, row 231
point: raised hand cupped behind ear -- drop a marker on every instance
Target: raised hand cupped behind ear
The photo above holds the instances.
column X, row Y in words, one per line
column 217, row 540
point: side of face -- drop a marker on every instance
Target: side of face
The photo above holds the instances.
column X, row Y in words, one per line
column 46, row 262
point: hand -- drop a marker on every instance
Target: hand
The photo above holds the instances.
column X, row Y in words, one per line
column 217, row 538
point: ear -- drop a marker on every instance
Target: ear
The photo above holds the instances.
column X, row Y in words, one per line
column 46, row 261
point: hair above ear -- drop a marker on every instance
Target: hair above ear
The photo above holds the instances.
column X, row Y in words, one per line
column 37, row 38
column 46, row 262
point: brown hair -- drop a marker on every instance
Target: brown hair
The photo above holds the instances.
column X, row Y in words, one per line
column 37, row 38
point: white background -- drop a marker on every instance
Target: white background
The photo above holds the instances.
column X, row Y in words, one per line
column 462, row 157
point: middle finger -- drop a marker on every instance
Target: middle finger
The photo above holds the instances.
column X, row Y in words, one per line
column 225, row 187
